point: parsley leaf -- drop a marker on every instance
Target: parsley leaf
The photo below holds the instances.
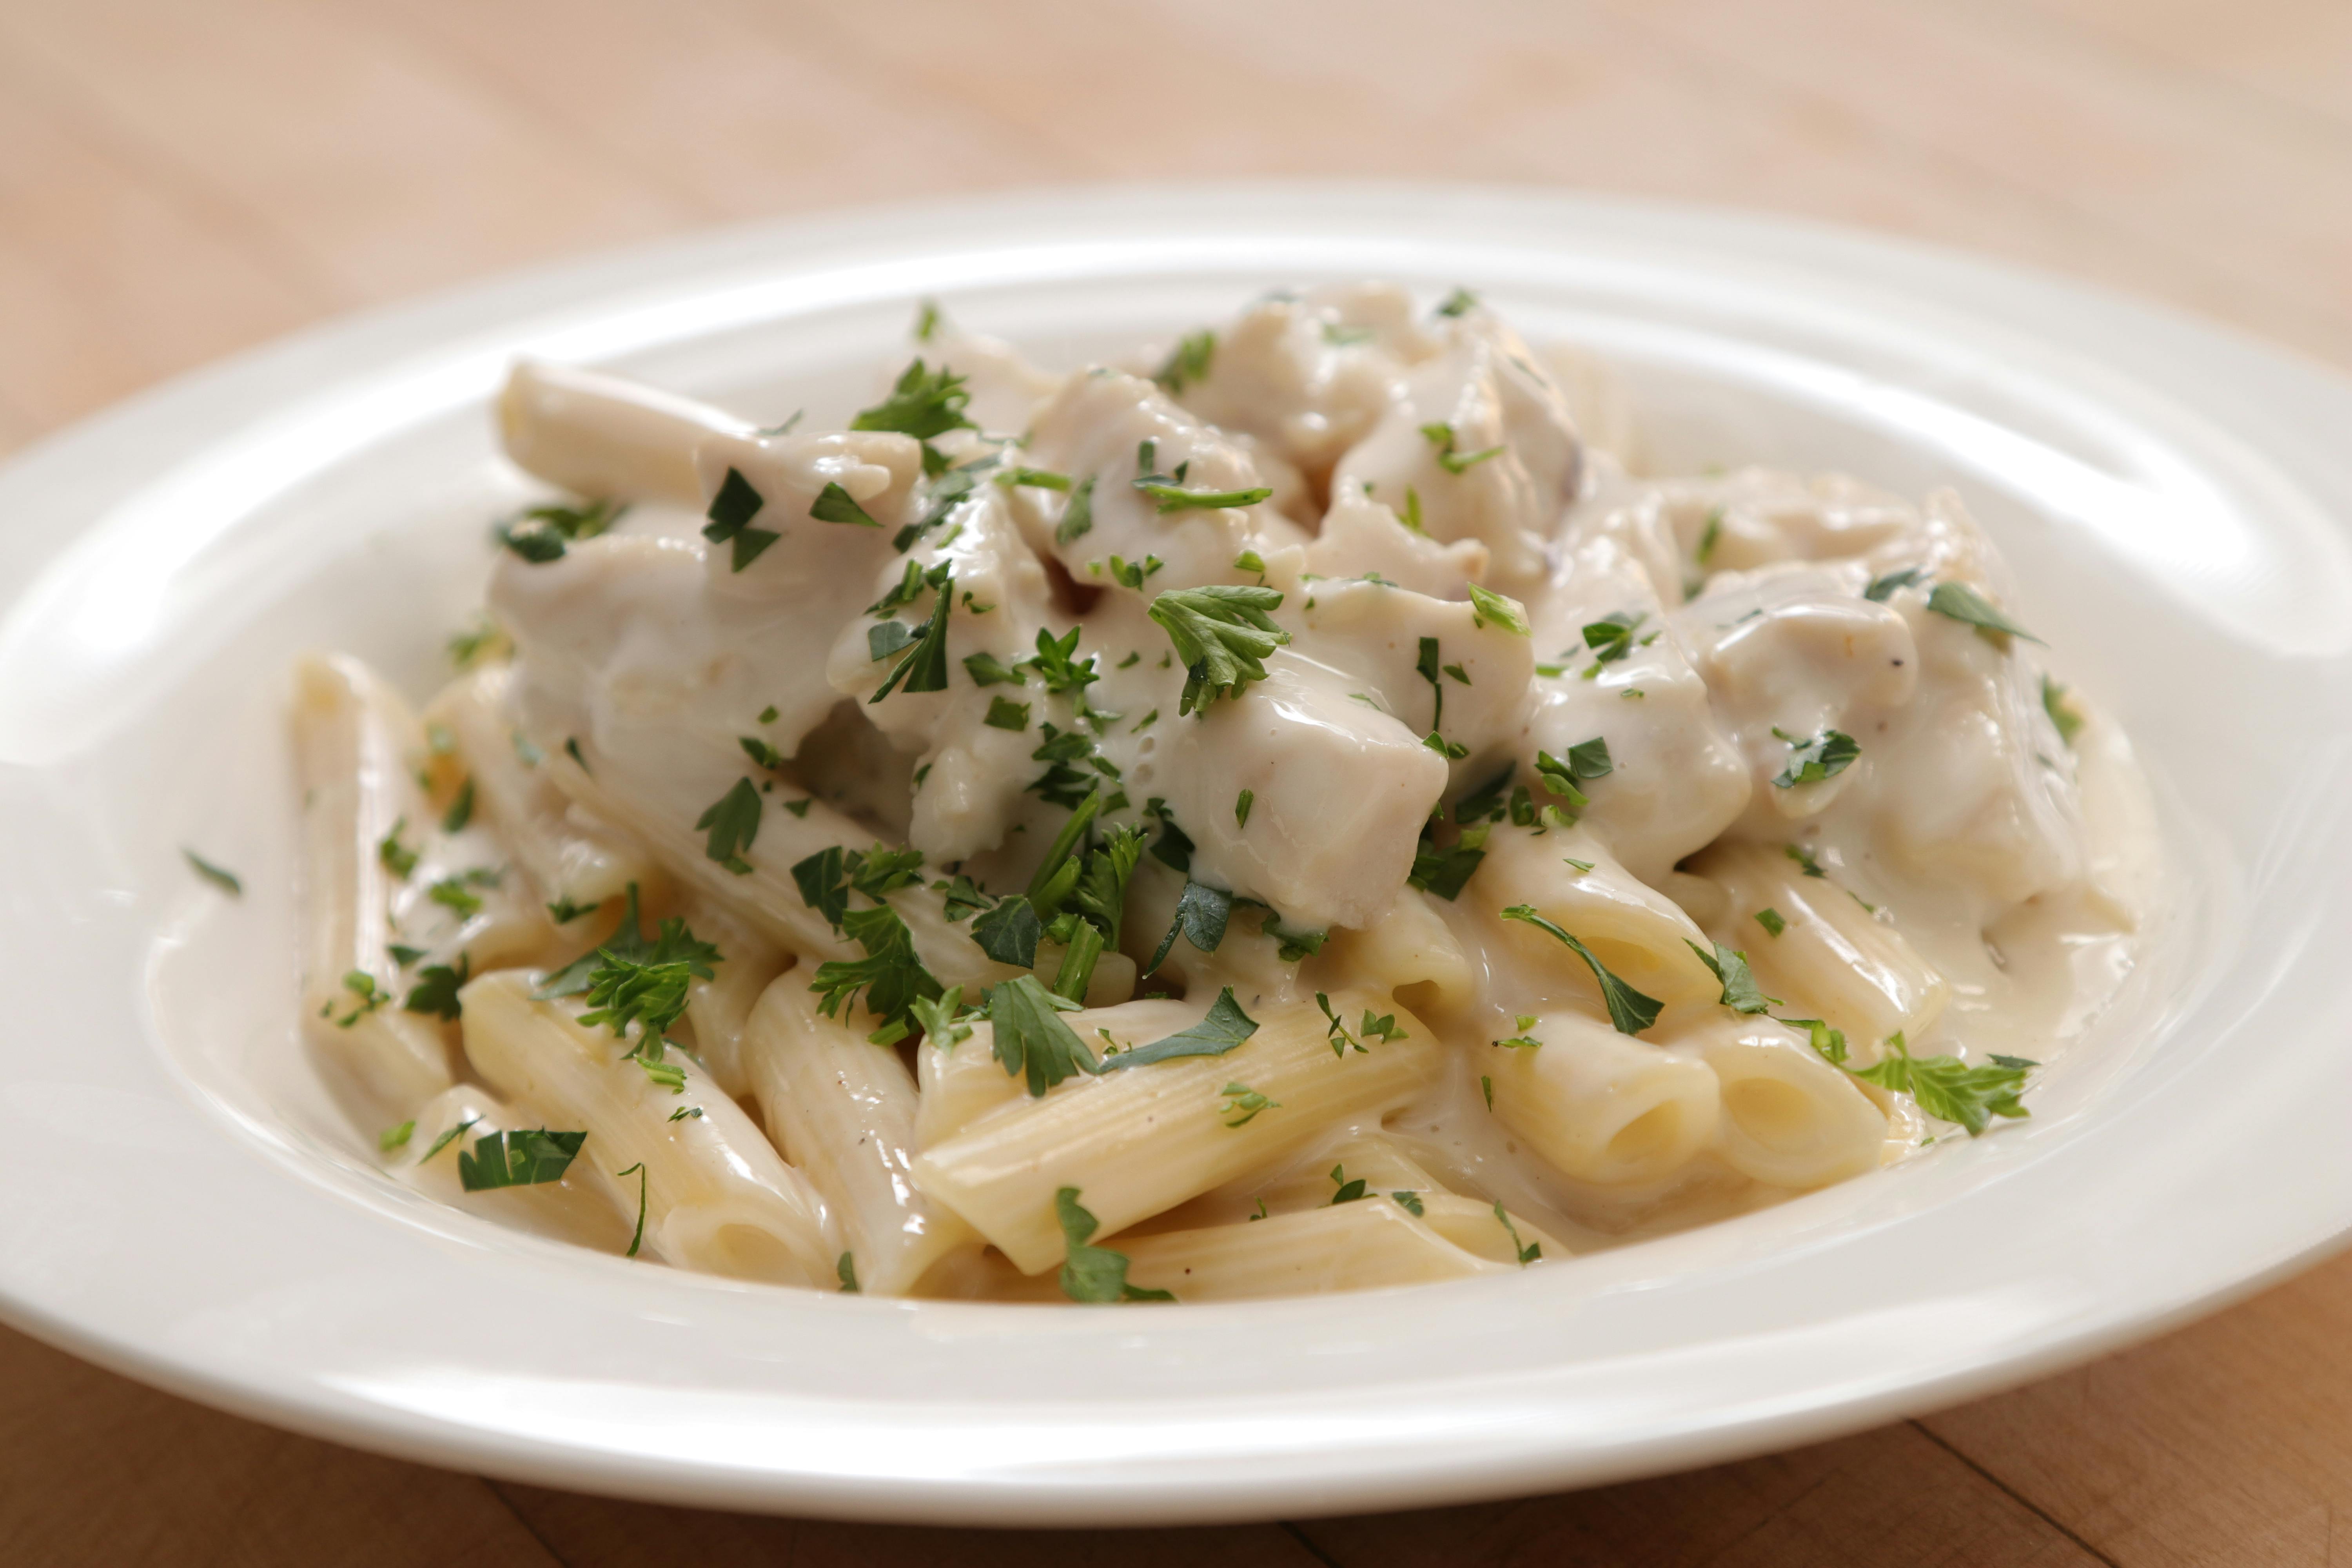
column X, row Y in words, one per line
column 1031, row 1041
column 1882, row 589
column 1176, row 497
column 1009, row 932
column 1441, row 437
column 1461, row 302
column 1202, row 913
column 1611, row 638
column 1824, row 756
column 730, row 514
column 1079, row 516
column 522, row 1159
column 1445, row 871
column 1771, row 920
column 987, row 669
column 1241, row 1104
column 1222, row 634
column 733, row 823
column 1950, row 1089
column 637, row 1240
column 1188, row 361
column 1410, row 1203
column 1224, row 1026
column 1506, row 613
column 1629, row 1009
column 540, row 533
column 397, row 857
column 1173, row 847
column 1730, row 966
column 1350, row 1191
column 1589, row 760
column 834, row 504
column 1962, row 602
column 1528, row 1253
column 436, row 988
column 924, row 403
column 648, row 989
column 890, row 975
column 1101, row 891
column 925, row 667
column 1810, row 867
column 2054, row 703
column 461, row 810
column 226, row 880
column 1094, row 1274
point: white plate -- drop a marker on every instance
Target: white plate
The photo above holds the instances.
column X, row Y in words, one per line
column 183, row 1206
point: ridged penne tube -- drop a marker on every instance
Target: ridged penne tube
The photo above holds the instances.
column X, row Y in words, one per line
column 719, row 1008
column 1602, row 1107
column 766, row 896
column 843, row 1110
column 963, row 1081
column 569, row 856
column 1637, row 932
column 602, row 436
column 1356, row 1246
column 1789, row 1119
column 574, row 1209
column 1833, row 960
column 353, row 739
column 1413, row 951
column 717, row 1197
column 1477, row 1229
column 1138, row 1141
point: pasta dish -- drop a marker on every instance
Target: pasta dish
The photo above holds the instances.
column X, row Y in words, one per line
column 1297, row 809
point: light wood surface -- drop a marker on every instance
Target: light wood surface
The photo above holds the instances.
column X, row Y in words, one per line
column 179, row 181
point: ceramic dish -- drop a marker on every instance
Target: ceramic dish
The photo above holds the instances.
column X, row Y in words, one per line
column 186, row 1207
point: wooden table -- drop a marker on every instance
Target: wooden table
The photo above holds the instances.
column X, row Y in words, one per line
column 178, row 181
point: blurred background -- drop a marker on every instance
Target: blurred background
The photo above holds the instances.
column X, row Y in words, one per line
column 178, row 182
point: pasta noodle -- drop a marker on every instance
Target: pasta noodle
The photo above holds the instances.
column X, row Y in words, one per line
column 1286, row 811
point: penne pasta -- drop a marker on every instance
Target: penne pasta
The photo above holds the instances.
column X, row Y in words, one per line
column 1832, row 959
column 1602, row 1107
column 354, row 741
column 574, row 1209
column 602, row 436
column 1361, row 1245
column 574, row 860
column 1139, row 1140
column 1638, row 935
column 1789, row 1119
column 842, row 1110
column 719, row 1008
column 717, row 1197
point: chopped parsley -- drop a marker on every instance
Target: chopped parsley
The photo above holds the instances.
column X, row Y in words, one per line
column 647, row 988
column 1528, row 1253
column 1079, row 516
column 1239, row 1104
column 448, row 1137
column 1730, row 966
column 1348, row 1191
column 483, row 641
column 1506, row 613
column 1709, row 536
column 1950, row 1089
column 393, row 1138
column 941, row 1019
column 540, row 533
column 1525, row 1039
column 1962, row 602
column 2062, row 713
column 760, row 751
column 1882, row 589
column 845, row 1268
column 1805, row 862
column 1461, row 302
column 1611, row 638
column 732, row 823
column 638, row 1238
column 1224, row 1027
column 1201, row 914
column 1093, row 1274
column 1771, row 920
column 925, row 666
column 1444, row 872
column 890, row 975
column 523, row 1159
column 397, row 857
column 1410, row 1203
column 222, row 877
column 1242, row 803
column 461, row 810
column 1009, row 932
column 1187, row 363
column 1003, row 714
column 1172, row 497
column 1441, row 437
column 834, row 504
column 1824, row 756
column 730, row 514
column 452, row 893
column 924, row 403
column 1031, row 1041
column 436, row 988
column 1222, row 634
column 1629, row 1010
